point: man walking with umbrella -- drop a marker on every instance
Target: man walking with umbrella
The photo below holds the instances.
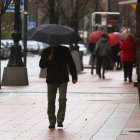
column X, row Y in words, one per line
column 59, row 62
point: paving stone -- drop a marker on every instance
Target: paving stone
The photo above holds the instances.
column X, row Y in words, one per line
column 97, row 109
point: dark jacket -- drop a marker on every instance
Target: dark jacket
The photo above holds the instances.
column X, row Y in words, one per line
column 102, row 48
column 91, row 47
column 57, row 69
column 128, row 48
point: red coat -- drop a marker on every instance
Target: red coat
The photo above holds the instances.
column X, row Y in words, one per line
column 128, row 48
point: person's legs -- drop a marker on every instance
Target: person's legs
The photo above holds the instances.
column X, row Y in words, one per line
column 119, row 62
column 92, row 63
column 125, row 70
column 62, row 102
column 104, row 65
column 98, row 65
column 130, row 69
column 52, row 90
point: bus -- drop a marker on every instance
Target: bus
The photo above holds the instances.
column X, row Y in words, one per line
column 106, row 21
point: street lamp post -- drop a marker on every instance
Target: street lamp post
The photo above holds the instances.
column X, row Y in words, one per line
column 138, row 44
column 16, row 57
column 25, row 21
column 15, row 74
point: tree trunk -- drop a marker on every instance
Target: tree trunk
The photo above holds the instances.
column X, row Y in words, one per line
column 51, row 11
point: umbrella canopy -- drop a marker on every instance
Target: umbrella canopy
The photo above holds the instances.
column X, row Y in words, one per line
column 114, row 39
column 95, row 36
column 50, row 33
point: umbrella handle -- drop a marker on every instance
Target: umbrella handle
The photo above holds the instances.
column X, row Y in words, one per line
column 51, row 56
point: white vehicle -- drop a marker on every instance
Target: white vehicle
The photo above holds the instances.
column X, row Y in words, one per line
column 4, row 52
column 82, row 48
column 41, row 47
column 6, row 44
column 35, row 46
column 32, row 46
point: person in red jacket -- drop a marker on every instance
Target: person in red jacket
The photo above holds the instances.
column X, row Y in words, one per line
column 128, row 56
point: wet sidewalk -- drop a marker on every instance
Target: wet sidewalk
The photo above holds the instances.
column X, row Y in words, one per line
column 97, row 109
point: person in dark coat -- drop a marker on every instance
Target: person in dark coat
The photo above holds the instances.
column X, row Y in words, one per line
column 102, row 52
column 57, row 59
column 128, row 56
column 116, row 56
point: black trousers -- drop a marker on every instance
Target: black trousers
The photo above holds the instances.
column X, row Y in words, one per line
column 128, row 68
column 101, row 65
column 92, row 63
column 52, row 91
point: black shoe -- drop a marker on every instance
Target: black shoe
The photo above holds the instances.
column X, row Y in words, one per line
column 52, row 125
column 130, row 80
column 99, row 76
column 125, row 79
column 59, row 124
column 103, row 77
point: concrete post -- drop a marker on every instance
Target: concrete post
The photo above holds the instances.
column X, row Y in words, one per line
column 15, row 74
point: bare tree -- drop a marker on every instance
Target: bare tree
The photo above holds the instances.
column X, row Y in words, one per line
column 3, row 6
column 67, row 12
column 53, row 10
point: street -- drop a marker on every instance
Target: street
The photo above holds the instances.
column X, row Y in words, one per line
column 90, row 83
column 97, row 109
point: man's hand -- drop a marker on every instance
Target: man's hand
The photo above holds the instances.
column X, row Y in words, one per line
column 74, row 81
column 51, row 56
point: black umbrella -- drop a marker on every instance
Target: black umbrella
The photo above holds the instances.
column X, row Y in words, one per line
column 50, row 33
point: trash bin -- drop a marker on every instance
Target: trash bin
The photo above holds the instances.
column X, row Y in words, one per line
column 76, row 57
column 43, row 73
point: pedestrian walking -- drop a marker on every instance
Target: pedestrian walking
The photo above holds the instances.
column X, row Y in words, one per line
column 59, row 62
column 102, row 52
column 116, row 56
column 128, row 56
column 91, row 47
